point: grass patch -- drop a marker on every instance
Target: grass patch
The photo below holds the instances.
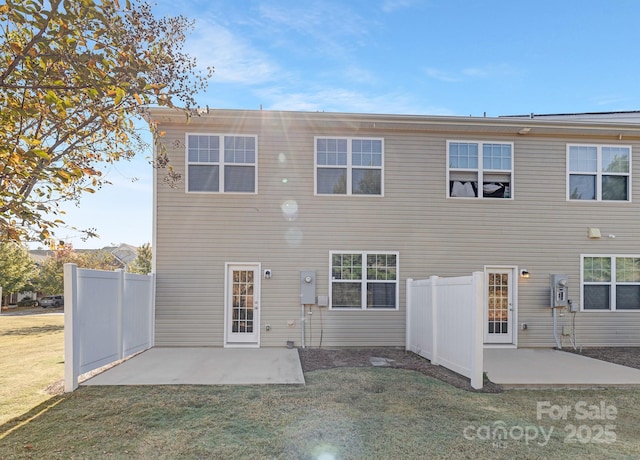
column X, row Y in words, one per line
column 373, row 413
column 31, row 358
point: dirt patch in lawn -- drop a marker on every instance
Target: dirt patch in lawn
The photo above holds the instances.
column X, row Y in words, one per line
column 625, row 356
column 326, row 358
column 35, row 330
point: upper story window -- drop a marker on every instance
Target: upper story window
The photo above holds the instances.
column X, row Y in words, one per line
column 479, row 169
column 610, row 283
column 221, row 163
column 364, row 280
column 349, row 166
column 599, row 173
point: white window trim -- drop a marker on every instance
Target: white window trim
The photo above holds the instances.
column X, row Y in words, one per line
column 612, row 284
column 220, row 163
column 364, row 281
column 348, row 166
column 599, row 174
column 480, row 170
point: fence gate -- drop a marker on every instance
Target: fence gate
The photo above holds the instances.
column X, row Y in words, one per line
column 445, row 323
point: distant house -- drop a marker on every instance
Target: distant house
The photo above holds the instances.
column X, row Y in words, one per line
column 123, row 254
column 304, row 227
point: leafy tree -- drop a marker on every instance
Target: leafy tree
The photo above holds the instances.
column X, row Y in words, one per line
column 97, row 260
column 142, row 262
column 74, row 75
column 369, row 183
column 340, row 186
column 50, row 277
column 16, row 268
column 366, row 184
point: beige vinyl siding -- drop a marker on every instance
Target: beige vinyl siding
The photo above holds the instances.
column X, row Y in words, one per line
column 434, row 235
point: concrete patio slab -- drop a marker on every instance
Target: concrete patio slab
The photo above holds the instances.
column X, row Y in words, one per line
column 543, row 367
column 206, row 366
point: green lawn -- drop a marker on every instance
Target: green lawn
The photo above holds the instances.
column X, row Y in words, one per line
column 31, row 358
column 350, row 413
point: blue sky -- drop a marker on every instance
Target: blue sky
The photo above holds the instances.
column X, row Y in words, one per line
column 436, row 57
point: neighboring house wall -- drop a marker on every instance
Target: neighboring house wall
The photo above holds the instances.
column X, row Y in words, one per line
column 16, row 297
column 287, row 228
column 607, row 117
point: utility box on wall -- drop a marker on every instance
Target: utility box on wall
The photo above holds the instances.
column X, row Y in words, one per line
column 307, row 287
column 559, row 285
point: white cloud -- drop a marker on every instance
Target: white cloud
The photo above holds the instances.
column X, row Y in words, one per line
column 332, row 28
column 610, row 100
column 389, row 6
column 442, row 75
column 235, row 59
column 359, row 75
column 490, row 71
column 317, row 19
column 345, row 100
column 476, row 72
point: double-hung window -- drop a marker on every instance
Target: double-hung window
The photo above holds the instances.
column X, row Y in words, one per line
column 349, row 166
column 479, row 169
column 610, row 283
column 599, row 173
column 364, row 280
column 221, row 163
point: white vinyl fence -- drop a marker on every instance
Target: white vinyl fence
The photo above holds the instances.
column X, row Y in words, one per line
column 444, row 323
column 107, row 317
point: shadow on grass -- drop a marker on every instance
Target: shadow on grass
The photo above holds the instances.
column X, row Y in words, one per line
column 28, row 417
column 35, row 330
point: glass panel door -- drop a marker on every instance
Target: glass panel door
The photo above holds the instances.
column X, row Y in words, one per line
column 242, row 321
column 242, row 301
column 499, row 306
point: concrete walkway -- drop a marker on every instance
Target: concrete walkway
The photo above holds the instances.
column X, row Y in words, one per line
column 510, row 368
column 544, row 368
column 206, row 366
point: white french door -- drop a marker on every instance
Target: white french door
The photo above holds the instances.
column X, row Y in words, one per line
column 499, row 306
column 242, row 305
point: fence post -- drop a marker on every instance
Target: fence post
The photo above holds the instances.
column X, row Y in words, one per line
column 434, row 319
column 477, row 327
column 152, row 310
column 71, row 343
column 120, row 314
column 408, row 312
